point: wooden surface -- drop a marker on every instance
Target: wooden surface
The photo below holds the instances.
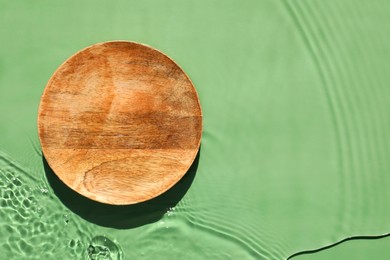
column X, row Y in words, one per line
column 119, row 122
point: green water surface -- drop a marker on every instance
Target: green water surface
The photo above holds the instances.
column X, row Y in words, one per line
column 295, row 149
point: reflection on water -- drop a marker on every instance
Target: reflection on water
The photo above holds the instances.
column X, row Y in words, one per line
column 33, row 225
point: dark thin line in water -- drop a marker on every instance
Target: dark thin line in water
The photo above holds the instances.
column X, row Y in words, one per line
column 312, row 251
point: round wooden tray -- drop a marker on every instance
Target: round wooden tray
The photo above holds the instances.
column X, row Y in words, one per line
column 120, row 122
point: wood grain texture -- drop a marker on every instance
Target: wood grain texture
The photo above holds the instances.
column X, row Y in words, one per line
column 120, row 122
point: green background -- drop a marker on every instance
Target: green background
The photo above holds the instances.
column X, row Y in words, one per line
column 295, row 148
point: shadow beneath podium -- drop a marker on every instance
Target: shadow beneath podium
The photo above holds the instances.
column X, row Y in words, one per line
column 121, row 217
